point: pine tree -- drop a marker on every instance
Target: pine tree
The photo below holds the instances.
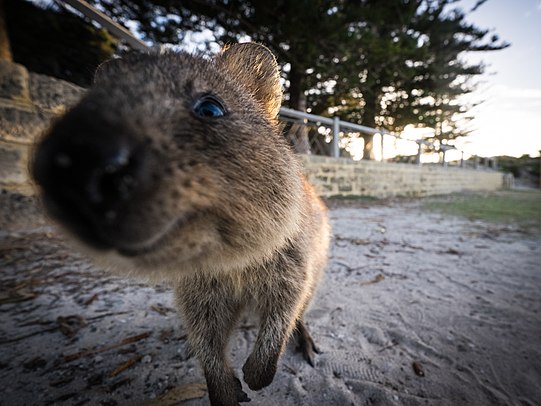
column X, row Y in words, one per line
column 55, row 42
column 406, row 67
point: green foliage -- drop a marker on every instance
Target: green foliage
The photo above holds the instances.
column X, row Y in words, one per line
column 520, row 166
column 409, row 67
column 55, row 42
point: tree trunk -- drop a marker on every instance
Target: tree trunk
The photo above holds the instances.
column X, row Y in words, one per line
column 369, row 120
column 368, row 151
column 5, row 47
column 297, row 101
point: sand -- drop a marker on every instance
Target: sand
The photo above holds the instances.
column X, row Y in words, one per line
column 417, row 308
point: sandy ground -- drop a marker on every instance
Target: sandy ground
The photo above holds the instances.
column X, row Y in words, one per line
column 417, row 308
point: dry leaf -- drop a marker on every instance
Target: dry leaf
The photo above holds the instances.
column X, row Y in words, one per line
column 125, row 365
column 16, row 296
column 90, row 299
column 180, row 394
column 377, row 279
column 160, row 309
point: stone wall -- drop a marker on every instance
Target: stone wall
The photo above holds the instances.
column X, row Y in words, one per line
column 343, row 176
column 28, row 103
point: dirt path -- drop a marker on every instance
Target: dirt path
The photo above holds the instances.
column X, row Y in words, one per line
column 417, row 308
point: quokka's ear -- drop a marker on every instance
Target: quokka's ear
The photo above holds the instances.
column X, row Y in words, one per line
column 118, row 65
column 104, row 68
column 254, row 67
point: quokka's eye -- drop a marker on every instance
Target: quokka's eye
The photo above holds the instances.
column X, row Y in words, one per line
column 209, row 106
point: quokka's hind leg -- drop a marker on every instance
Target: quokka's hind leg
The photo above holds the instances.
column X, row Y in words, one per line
column 305, row 343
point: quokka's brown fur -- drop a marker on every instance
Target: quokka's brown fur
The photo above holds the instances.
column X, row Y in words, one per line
column 157, row 187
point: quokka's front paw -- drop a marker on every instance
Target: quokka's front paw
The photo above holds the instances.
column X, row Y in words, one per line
column 241, row 395
column 227, row 392
column 259, row 372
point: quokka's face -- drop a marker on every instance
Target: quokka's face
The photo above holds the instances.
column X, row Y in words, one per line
column 166, row 160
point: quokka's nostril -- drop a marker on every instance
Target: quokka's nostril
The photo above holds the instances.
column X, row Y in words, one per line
column 113, row 181
column 63, row 160
column 126, row 186
column 119, row 160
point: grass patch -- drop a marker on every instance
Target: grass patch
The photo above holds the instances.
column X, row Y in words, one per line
column 518, row 207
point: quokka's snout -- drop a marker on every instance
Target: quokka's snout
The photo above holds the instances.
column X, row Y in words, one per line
column 91, row 170
column 173, row 166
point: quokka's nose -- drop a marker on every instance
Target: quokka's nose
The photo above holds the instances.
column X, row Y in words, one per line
column 101, row 177
column 88, row 169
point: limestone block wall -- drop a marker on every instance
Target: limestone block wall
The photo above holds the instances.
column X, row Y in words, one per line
column 28, row 103
column 343, row 176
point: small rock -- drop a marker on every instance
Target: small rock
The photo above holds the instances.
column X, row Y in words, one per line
column 418, row 369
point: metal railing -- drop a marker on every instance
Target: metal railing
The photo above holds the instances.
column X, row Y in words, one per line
column 112, row 26
column 335, row 124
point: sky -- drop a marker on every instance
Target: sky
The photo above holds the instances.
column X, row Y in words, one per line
column 509, row 121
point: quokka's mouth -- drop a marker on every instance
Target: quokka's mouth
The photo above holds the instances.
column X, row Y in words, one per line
column 76, row 222
column 91, row 234
column 157, row 241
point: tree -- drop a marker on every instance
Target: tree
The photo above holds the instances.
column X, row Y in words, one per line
column 445, row 76
column 55, row 42
column 409, row 67
column 375, row 71
column 5, row 46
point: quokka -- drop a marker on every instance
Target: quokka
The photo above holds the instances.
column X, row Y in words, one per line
column 173, row 166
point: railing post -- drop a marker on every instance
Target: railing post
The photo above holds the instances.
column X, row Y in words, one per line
column 382, row 151
column 335, row 137
column 419, row 145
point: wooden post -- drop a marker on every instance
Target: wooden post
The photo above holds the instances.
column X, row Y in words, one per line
column 5, row 47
